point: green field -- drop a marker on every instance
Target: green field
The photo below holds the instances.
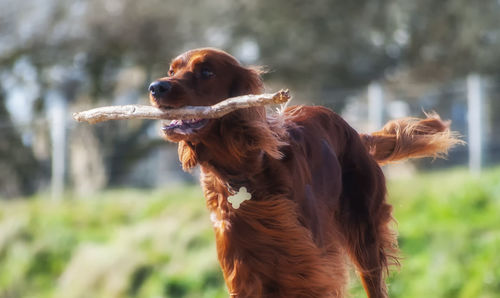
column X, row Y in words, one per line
column 159, row 243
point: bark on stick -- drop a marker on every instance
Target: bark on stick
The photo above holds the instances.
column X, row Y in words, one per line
column 185, row 113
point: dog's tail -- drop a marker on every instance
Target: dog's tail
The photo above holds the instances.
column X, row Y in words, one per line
column 411, row 138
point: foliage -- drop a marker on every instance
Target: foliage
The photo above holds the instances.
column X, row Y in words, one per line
column 116, row 244
column 159, row 243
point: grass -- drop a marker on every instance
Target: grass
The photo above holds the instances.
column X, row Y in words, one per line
column 159, row 243
column 449, row 230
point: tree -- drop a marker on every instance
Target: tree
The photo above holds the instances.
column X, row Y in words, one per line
column 322, row 50
column 19, row 169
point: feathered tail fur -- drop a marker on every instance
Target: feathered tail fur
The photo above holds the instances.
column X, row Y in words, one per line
column 411, row 138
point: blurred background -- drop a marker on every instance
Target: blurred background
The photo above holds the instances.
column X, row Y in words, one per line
column 105, row 210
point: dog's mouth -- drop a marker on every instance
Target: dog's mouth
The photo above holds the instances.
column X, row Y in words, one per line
column 184, row 127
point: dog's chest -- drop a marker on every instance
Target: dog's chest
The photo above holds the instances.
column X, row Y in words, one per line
column 225, row 203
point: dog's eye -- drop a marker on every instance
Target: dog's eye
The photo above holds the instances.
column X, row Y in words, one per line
column 171, row 72
column 206, row 73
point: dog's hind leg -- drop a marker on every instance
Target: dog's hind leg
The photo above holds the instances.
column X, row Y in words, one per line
column 364, row 219
column 368, row 244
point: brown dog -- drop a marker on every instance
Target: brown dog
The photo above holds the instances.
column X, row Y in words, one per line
column 316, row 190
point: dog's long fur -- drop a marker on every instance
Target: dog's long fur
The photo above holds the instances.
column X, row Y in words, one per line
column 318, row 193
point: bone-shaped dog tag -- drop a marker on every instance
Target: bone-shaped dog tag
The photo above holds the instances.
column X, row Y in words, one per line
column 239, row 197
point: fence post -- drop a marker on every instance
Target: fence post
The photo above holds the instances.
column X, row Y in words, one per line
column 375, row 105
column 58, row 136
column 474, row 102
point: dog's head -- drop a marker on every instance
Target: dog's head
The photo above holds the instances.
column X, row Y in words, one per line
column 201, row 77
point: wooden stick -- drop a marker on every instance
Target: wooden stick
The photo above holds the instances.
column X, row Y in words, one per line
column 190, row 112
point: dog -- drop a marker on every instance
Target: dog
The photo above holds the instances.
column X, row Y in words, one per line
column 315, row 189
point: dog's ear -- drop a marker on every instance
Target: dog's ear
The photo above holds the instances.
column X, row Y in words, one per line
column 187, row 155
column 247, row 81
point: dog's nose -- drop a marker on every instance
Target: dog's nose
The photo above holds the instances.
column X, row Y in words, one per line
column 159, row 88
